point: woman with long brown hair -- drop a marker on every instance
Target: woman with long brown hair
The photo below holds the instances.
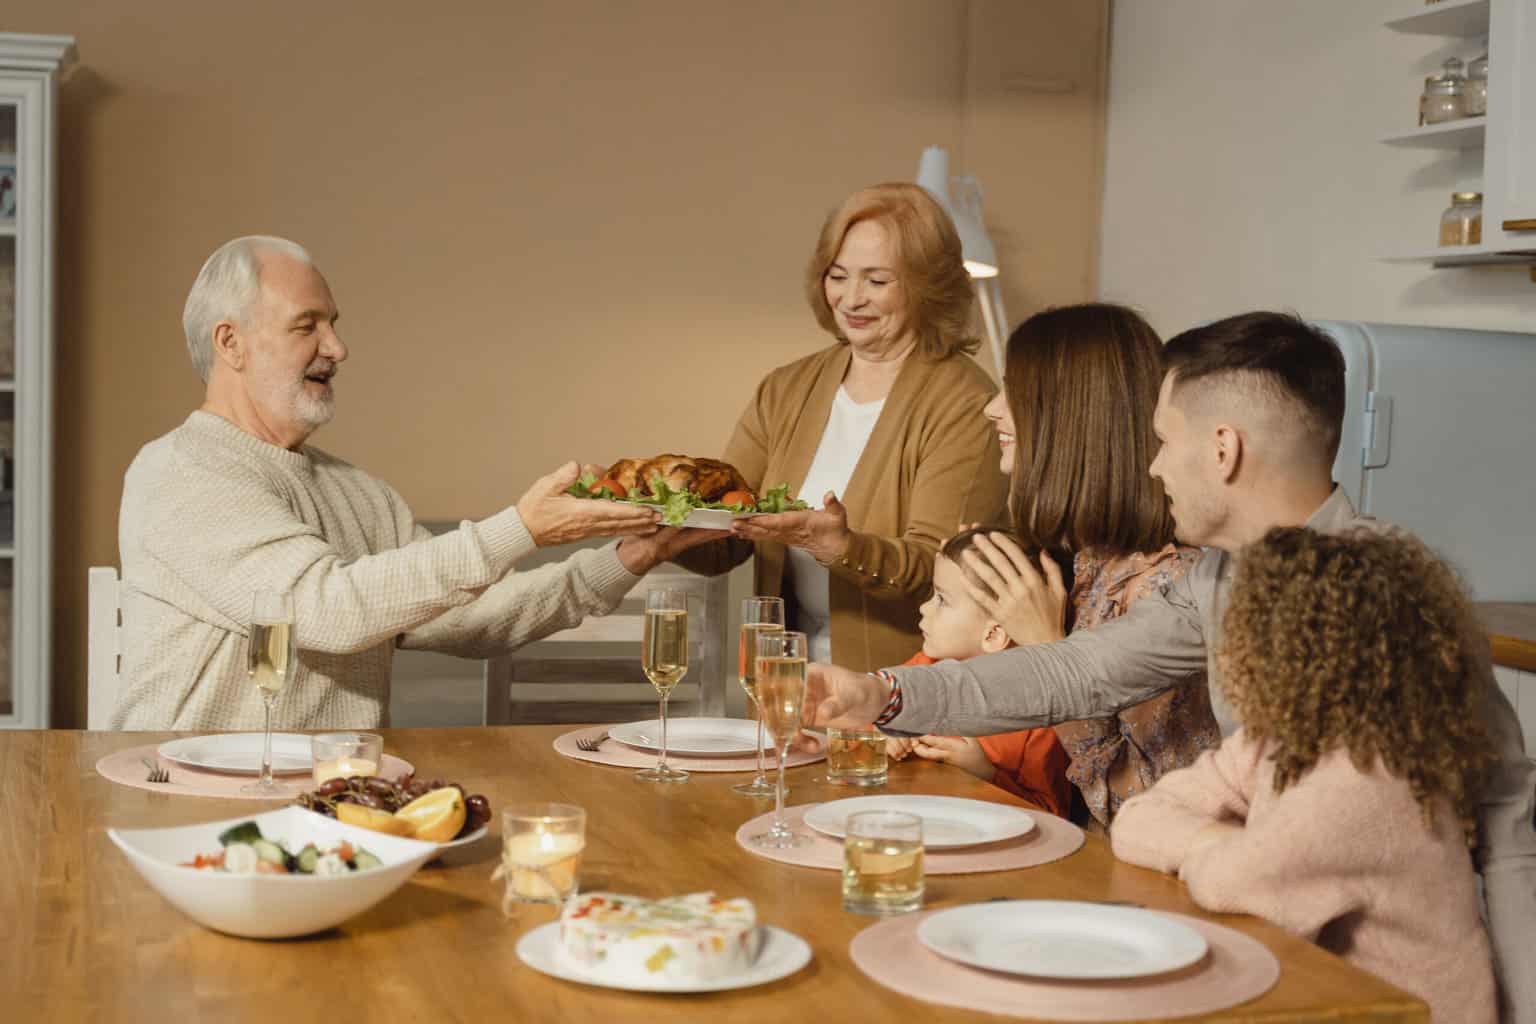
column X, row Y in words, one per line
column 1074, row 421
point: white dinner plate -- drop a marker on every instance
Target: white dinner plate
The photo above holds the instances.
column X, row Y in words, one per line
column 696, row 737
column 948, row 821
column 239, row 753
column 1062, row 939
column 783, row 954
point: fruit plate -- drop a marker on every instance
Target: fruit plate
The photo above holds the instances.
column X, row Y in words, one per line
column 1062, row 939
column 239, row 753
column 783, row 954
column 270, row 906
column 473, row 837
column 948, row 822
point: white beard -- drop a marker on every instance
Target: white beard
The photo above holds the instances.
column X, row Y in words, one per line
column 311, row 411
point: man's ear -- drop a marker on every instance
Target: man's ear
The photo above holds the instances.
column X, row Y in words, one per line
column 228, row 345
column 996, row 639
column 1228, row 452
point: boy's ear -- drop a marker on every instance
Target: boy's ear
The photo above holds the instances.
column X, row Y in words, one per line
column 996, row 639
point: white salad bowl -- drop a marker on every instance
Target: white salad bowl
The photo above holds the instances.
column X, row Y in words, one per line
column 270, row 906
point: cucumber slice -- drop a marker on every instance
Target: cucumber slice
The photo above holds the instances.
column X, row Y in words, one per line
column 245, row 832
column 362, row 860
column 270, row 852
column 307, row 858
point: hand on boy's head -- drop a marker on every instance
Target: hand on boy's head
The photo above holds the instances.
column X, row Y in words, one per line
column 960, row 751
column 1029, row 602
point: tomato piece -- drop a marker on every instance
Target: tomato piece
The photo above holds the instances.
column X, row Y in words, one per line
column 614, row 486
column 738, row 498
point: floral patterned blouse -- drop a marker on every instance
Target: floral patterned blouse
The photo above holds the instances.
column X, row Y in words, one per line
column 1114, row 758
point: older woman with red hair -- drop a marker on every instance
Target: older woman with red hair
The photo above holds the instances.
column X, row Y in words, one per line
column 883, row 429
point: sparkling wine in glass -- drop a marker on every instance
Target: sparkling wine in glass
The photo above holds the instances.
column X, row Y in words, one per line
column 664, row 656
column 271, row 665
column 781, row 660
column 759, row 615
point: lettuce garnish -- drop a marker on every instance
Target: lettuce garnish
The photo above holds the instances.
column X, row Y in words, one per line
column 675, row 505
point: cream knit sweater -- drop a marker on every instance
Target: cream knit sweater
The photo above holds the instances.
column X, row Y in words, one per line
column 1341, row 857
column 210, row 514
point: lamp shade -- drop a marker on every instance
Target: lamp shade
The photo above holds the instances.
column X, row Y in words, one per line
column 975, row 246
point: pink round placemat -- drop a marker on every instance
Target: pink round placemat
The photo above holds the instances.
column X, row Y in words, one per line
column 614, row 753
column 1051, row 839
column 1236, row 969
column 126, row 768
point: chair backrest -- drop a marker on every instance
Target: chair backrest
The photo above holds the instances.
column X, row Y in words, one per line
column 103, row 644
column 591, row 672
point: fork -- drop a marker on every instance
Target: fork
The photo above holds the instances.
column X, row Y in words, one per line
column 156, row 773
column 590, row 743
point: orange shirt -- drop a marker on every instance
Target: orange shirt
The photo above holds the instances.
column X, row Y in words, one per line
column 1030, row 763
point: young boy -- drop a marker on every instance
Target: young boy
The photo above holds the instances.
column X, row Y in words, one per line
column 1032, row 763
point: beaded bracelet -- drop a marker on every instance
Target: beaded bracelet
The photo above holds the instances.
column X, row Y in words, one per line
column 893, row 704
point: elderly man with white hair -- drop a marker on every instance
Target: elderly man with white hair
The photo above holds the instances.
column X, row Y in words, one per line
column 234, row 500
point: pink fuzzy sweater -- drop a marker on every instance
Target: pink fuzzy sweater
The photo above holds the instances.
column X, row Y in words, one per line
column 1341, row 857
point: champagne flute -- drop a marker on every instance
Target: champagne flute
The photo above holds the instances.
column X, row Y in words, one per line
column 664, row 656
column 271, row 665
column 780, row 699
column 759, row 615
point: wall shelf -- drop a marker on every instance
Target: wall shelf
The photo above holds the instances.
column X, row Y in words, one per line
column 1465, row 18
column 1466, row 256
column 1467, row 133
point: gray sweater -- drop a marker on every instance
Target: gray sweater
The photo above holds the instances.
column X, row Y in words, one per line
column 1170, row 637
column 211, row 513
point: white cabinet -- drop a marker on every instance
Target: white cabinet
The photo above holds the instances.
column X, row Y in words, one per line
column 1511, row 159
column 1498, row 149
column 29, row 66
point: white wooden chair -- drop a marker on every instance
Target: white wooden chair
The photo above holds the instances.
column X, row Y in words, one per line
column 104, row 644
column 591, row 672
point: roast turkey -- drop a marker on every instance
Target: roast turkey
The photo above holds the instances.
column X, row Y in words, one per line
column 710, row 479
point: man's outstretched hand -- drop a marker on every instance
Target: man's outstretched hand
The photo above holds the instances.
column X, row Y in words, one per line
column 843, row 698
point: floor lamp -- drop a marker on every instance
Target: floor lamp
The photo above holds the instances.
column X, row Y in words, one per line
column 964, row 207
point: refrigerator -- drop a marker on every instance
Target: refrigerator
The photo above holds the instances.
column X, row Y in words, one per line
column 1440, row 437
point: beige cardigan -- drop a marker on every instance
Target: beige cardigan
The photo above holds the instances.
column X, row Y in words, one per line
column 930, row 464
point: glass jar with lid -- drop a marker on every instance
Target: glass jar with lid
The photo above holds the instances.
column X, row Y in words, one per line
column 1462, row 222
column 1475, row 101
column 1443, row 100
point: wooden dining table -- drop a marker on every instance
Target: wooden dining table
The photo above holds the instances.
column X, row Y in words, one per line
column 84, row 938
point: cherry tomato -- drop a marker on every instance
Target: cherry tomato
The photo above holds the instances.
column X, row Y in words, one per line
column 739, row 498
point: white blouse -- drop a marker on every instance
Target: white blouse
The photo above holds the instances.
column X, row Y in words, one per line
column 848, row 430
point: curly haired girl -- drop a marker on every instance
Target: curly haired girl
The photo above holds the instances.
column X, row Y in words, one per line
column 1339, row 811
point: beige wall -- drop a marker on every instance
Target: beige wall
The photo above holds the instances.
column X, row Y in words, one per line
column 1244, row 169
column 566, row 229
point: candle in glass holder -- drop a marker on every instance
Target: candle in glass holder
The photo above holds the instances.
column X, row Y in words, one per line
column 541, row 851
column 345, row 754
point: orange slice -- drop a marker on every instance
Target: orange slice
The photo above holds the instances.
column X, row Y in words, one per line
column 435, row 817
column 372, row 818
